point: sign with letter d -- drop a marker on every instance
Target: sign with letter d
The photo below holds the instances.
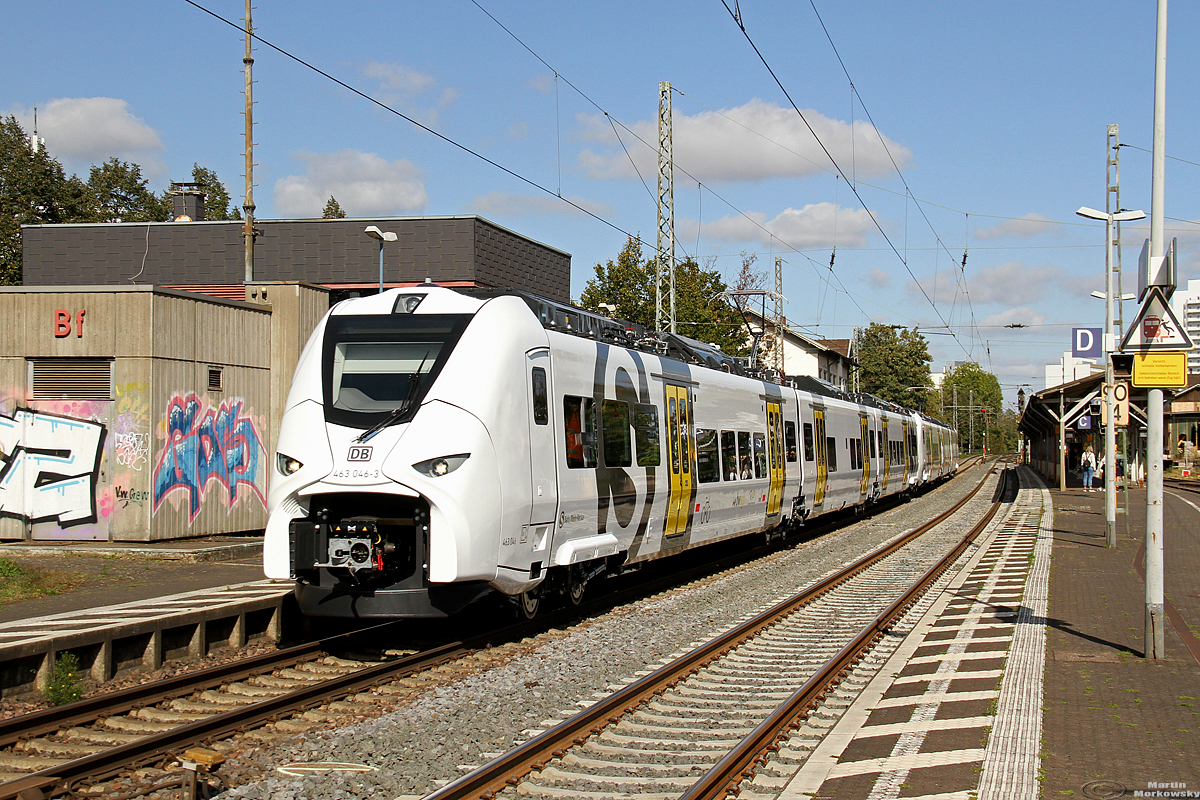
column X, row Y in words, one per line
column 1087, row 342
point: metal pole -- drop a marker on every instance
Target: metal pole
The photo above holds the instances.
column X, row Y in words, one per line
column 1110, row 437
column 248, row 206
column 1062, row 442
column 1155, row 634
column 381, row 266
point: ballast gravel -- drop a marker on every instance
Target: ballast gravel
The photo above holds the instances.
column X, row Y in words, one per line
column 446, row 731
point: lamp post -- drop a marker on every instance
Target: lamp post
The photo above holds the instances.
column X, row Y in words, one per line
column 1110, row 344
column 382, row 236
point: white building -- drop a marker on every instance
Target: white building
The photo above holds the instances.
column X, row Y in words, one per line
column 1070, row 369
column 827, row 359
column 1186, row 305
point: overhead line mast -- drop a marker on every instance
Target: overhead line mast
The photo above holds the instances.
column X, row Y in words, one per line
column 666, row 213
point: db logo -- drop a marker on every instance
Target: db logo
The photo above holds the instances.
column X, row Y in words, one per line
column 359, row 454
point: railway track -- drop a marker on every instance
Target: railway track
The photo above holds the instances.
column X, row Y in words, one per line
column 63, row 749
column 698, row 725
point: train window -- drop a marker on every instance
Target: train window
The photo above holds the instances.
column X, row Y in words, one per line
column 729, row 459
column 579, row 414
column 789, row 439
column 685, row 427
column 645, row 429
column 872, row 433
column 851, row 446
column 673, row 434
column 614, row 415
column 831, row 453
column 808, row 442
column 745, row 469
column 541, row 407
column 760, row 456
column 708, row 466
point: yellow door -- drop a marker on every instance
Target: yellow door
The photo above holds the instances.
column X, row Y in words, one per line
column 864, row 484
column 679, row 420
column 886, row 446
column 907, row 454
column 775, row 456
column 822, row 466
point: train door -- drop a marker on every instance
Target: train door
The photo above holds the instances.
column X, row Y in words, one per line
column 543, row 460
column 906, row 445
column 822, row 463
column 886, row 446
column 775, row 457
column 864, row 483
column 679, row 435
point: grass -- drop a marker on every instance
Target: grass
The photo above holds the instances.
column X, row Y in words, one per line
column 19, row 582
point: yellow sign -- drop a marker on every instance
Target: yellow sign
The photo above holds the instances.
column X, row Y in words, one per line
column 1160, row 370
column 1120, row 393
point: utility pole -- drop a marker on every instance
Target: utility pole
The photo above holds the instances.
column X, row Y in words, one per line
column 666, row 213
column 1155, row 641
column 780, row 360
column 971, row 411
column 248, row 206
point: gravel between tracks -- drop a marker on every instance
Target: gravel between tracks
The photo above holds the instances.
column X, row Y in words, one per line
column 417, row 748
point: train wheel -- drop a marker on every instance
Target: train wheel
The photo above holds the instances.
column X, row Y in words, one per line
column 528, row 603
column 575, row 587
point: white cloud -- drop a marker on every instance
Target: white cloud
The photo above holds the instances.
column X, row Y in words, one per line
column 755, row 141
column 532, row 205
column 416, row 93
column 1022, row 227
column 878, row 279
column 81, row 131
column 814, row 225
column 1009, row 283
column 363, row 183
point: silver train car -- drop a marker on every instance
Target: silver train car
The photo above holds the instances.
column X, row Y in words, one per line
column 440, row 445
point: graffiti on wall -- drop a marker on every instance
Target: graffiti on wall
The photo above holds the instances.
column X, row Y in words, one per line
column 206, row 444
column 131, row 428
column 49, row 466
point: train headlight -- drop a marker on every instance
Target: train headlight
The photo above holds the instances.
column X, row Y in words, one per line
column 443, row 465
column 286, row 464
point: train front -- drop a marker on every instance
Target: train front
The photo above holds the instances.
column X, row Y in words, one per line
column 386, row 496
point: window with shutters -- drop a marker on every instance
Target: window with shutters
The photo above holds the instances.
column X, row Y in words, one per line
column 70, row 379
column 214, row 379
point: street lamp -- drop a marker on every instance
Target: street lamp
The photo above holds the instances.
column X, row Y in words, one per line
column 383, row 236
column 1110, row 344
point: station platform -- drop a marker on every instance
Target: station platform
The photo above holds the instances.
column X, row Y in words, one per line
column 1025, row 677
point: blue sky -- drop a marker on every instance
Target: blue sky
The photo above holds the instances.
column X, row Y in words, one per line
column 995, row 115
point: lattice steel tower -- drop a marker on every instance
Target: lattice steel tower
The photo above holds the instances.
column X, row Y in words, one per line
column 666, row 214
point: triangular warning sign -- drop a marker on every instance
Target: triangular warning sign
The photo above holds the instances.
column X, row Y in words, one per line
column 1156, row 327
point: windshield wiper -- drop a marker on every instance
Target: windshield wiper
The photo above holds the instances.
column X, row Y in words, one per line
column 413, row 386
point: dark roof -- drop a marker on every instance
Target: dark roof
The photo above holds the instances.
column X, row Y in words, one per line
column 324, row 251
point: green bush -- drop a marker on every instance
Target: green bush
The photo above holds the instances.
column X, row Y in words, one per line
column 65, row 685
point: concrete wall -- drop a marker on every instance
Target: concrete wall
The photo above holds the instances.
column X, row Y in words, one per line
column 159, row 453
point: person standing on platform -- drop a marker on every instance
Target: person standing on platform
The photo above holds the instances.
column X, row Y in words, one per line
column 1088, row 464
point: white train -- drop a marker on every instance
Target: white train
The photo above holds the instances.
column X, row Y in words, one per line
column 439, row 445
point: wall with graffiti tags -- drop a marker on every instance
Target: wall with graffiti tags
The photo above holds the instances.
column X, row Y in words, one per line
column 133, row 415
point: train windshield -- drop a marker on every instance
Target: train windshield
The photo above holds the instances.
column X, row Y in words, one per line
column 376, row 369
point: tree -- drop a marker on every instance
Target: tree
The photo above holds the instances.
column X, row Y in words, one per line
column 33, row 190
column 121, row 194
column 333, row 210
column 890, row 361
column 628, row 284
column 217, row 203
column 973, row 397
